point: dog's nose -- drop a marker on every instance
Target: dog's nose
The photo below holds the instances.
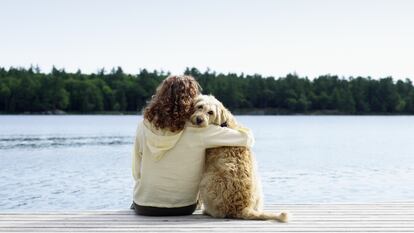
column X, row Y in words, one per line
column 199, row 120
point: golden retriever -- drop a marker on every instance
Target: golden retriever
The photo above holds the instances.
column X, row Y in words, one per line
column 230, row 187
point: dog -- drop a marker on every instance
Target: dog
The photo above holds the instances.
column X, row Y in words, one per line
column 229, row 187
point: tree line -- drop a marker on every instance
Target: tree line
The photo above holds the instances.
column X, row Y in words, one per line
column 32, row 91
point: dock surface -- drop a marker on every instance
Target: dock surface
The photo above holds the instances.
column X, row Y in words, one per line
column 383, row 217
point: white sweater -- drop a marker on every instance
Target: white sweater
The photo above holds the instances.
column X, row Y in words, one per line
column 167, row 167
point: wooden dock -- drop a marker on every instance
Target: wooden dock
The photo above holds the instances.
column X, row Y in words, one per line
column 384, row 217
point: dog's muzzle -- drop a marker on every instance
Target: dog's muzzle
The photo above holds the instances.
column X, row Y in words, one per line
column 199, row 120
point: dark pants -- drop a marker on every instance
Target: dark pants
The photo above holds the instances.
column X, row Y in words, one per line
column 160, row 211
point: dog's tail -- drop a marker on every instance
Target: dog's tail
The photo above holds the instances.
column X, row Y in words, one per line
column 251, row 214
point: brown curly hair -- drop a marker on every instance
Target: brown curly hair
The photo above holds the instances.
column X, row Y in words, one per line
column 173, row 103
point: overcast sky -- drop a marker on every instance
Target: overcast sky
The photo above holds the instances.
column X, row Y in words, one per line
column 309, row 37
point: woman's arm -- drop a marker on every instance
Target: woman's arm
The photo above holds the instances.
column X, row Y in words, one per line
column 136, row 159
column 216, row 136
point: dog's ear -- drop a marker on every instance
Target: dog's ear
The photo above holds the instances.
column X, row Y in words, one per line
column 222, row 115
column 228, row 117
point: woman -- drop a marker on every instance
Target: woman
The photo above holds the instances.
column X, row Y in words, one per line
column 168, row 157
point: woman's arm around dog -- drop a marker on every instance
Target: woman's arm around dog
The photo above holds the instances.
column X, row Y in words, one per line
column 216, row 136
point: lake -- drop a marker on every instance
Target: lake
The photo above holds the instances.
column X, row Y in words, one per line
column 84, row 162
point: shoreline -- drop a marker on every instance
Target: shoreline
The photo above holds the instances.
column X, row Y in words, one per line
column 255, row 112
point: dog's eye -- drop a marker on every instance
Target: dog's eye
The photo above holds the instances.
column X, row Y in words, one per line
column 200, row 107
column 210, row 112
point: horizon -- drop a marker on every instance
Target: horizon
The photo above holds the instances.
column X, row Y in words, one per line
column 207, row 70
column 270, row 38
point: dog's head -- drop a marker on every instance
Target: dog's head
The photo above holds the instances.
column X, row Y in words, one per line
column 208, row 110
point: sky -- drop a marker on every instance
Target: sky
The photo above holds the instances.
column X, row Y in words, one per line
column 269, row 37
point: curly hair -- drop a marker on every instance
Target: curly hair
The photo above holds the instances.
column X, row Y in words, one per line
column 173, row 103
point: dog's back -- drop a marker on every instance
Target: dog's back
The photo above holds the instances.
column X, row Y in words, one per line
column 223, row 195
column 230, row 189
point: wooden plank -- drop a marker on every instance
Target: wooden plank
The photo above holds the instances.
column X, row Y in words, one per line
column 302, row 223
column 293, row 212
column 255, row 229
column 378, row 217
column 198, row 226
column 275, row 207
column 296, row 218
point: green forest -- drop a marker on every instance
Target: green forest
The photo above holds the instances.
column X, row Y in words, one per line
column 28, row 90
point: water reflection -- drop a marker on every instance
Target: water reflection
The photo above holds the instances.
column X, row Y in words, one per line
column 39, row 141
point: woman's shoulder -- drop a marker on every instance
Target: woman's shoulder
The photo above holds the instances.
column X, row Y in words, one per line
column 158, row 131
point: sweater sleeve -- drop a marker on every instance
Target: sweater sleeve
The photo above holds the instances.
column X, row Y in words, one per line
column 136, row 158
column 216, row 136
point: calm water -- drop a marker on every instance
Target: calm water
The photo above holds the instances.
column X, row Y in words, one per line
column 83, row 162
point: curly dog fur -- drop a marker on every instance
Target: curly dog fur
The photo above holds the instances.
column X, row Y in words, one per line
column 229, row 187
